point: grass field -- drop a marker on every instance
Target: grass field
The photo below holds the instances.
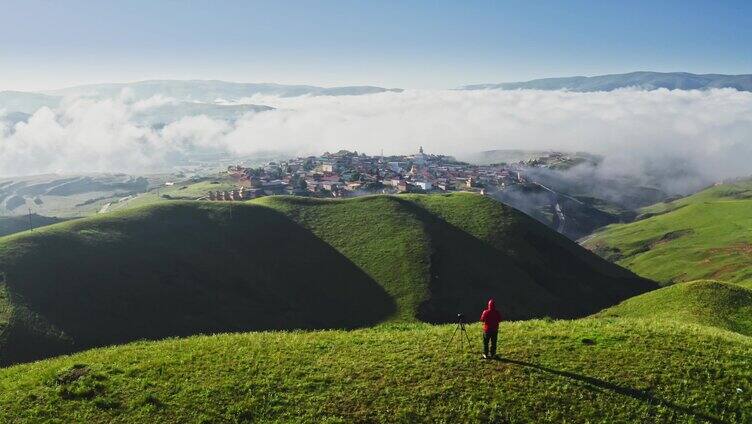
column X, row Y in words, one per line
column 182, row 268
column 58, row 208
column 187, row 190
column 329, row 268
column 713, row 303
column 589, row 370
column 704, row 236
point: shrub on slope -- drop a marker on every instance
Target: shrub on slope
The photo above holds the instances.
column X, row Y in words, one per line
column 712, row 303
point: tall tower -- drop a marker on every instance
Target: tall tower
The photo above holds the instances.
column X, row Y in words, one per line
column 420, row 150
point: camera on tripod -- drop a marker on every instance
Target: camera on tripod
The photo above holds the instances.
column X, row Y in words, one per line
column 463, row 332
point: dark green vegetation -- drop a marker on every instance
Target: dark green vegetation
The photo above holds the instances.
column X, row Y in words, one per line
column 175, row 269
column 703, row 236
column 181, row 268
column 438, row 255
column 589, row 370
column 712, row 303
column 15, row 224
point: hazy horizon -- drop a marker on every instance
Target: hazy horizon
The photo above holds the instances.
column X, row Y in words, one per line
column 360, row 84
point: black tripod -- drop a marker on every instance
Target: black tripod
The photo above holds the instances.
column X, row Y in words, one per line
column 461, row 327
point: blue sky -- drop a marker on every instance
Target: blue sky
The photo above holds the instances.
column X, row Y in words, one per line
column 412, row 44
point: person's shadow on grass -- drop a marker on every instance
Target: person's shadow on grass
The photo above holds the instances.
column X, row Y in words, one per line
column 593, row 383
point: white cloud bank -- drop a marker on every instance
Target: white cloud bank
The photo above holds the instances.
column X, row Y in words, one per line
column 709, row 133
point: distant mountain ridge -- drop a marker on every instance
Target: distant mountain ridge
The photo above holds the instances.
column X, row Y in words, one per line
column 25, row 102
column 215, row 99
column 640, row 80
column 164, row 114
column 211, row 90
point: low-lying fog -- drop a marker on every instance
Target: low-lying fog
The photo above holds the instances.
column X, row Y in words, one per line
column 685, row 138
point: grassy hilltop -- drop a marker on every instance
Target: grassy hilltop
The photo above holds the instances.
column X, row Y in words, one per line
column 713, row 303
column 703, row 236
column 588, row 370
column 183, row 268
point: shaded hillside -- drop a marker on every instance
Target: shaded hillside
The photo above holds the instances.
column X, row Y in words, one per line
column 181, row 268
column 703, row 236
column 445, row 254
column 15, row 224
column 712, row 303
column 591, row 370
column 175, row 270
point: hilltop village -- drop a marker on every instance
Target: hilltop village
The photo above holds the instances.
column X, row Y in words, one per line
column 345, row 173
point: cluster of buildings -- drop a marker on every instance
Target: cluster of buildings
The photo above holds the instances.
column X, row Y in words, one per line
column 346, row 173
column 240, row 193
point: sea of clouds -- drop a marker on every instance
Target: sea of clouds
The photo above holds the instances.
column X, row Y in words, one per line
column 693, row 137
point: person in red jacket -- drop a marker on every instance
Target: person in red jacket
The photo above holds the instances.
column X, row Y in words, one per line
column 490, row 318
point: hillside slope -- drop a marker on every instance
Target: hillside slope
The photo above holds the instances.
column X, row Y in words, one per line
column 590, row 370
column 452, row 252
column 581, row 216
column 703, row 236
column 712, row 303
column 182, row 268
column 174, row 270
column 15, row 224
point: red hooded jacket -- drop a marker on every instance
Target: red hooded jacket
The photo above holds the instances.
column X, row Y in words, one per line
column 490, row 317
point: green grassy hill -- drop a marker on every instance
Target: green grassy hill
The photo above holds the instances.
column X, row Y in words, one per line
column 183, row 268
column 704, row 236
column 712, row 303
column 185, row 190
column 589, row 370
column 15, row 224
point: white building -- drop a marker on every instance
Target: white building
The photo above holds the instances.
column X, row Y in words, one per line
column 425, row 185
